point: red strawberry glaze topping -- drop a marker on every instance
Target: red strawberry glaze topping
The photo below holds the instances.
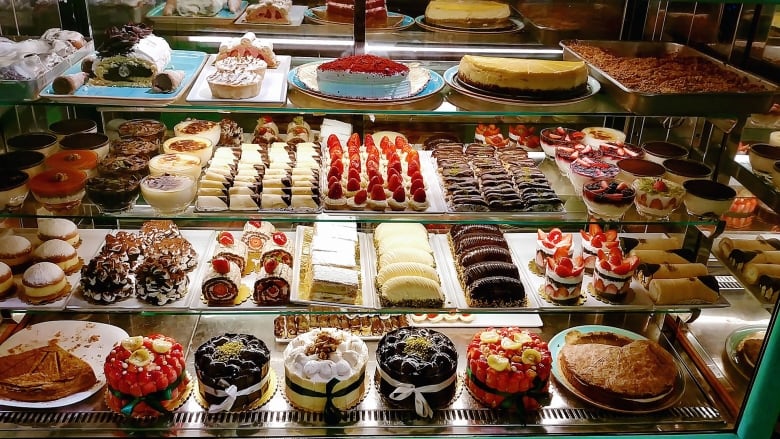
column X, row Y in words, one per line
column 366, row 64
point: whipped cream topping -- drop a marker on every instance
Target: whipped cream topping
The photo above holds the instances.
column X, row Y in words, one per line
column 323, row 354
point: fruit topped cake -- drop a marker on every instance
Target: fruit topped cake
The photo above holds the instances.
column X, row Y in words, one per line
column 612, row 273
column 508, row 368
column 364, row 76
column 594, row 239
column 130, row 57
column 548, row 243
column 146, row 376
column 563, row 277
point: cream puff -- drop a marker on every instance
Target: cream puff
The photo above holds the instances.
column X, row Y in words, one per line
column 59, row 252
column 44, row 282
column 7, row 284
column 16, row 252
column 59, row 228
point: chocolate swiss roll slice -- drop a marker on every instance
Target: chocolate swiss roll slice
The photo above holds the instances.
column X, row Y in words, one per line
column 459, row 230
column 273, row 287
column 468, row 242
column 495, row 291
column 482, row 270
column 221, row 282
column 483, row 254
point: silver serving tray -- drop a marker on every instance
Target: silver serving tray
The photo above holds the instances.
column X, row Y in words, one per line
column 28, row 90
column 674, row 104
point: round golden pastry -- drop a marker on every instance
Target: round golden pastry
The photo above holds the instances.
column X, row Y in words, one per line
column 58, row 252
column 43, row 282
column 16, row 251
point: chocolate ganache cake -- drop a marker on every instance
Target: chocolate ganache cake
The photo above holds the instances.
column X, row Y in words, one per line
column 232, row 371
column 130, row 57
column 416, row 367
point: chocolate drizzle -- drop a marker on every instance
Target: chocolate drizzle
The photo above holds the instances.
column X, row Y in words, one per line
column 120, row 40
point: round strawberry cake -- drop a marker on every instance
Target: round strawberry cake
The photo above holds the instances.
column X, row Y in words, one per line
column 508, row 368
column 145, row 376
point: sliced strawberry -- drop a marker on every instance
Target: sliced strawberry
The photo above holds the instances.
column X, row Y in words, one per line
column 622, row 269
column 335, row 191
column 597, row 240
column 333, row 179
column 339, row 165
column 412, row 168
column 413, row 156
column 540, row 235
column 333, row 142
column 361, row 196
column 256, row 223
column 419, row 195
column 615, row 256
column 594, row 228
column 611, row 244
column 369, row 141
column 555, row 235
column 656, row 204
column 565, row 240
column 395, row 165
column 334, row 172
column 564, row 270
column 225, row 238
column 279, row 238
column 385, row 145
column 376, row 179
column 221, row 265
column 354, row 140
column 561, row 253
column 399, row 195
column 378, row 192
column 611, row 235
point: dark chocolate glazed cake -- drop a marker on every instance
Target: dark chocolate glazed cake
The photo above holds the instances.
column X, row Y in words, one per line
column 227, row 360
column 422, row 357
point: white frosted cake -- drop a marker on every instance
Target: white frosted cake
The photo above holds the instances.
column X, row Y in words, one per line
column 323, row 367
column 364, row 76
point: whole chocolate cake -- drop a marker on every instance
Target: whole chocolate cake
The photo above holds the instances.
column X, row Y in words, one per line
column 420, row 357
column 234, row 364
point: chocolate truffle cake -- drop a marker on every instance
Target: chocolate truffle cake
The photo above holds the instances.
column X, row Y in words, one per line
column 422, row 358
column 232, row 363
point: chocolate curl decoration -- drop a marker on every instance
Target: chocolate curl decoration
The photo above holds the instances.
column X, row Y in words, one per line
column 120, row 40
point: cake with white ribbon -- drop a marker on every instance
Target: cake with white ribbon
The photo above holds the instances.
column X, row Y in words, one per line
column 232, row 372
column 416, row 368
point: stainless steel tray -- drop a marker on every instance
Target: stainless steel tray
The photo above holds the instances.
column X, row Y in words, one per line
column 674, row 104
column 28, row 90
column 549, row 23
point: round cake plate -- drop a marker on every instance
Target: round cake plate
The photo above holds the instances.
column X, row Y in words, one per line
column 514, row 25
column 732, row 342
column 434, row 85
column 90, row 341
column 317, row 14
column 556, row 344
column 451, row 78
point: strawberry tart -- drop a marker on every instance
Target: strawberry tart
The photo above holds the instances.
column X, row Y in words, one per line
column 563, row 278
column 146, row 376
column 508, row 368
column 612, row 273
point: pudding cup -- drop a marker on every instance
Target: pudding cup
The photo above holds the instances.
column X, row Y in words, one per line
column 704, row 198
column 31, row 162
column 97, row 142
column 631, row 169
column 168, row 194
column 113, row 194
column 45, row 143
column 608, row 199
column 658, row 151
column 763, row 156
column 200, row 147
column 13, row 190
column 595, row 136
column 183, row 164
column 583, row 171
column 72, row 126
column 682, row 170
column 81, row 159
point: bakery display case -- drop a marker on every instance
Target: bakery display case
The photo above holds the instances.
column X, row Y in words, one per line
column 444, row 242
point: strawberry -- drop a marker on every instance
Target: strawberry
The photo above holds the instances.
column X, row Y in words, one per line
column 270, row 264
column 334, row 171
column 335, row 191
column 372, row 151
column 416, row 184
column 372, row 164
column 385, row 144
column 623, row 268
column 353, row 185
column 597, row 240
column 394, row 165
column 361, row 196
column 394, row 182
column 419, row 195
column 657, row 204
column 333, row 142
column 336, row 154
column 376, row 179
column 555, row 235
column 353, row 174
column 256, row 224
column 615, row 256
column 339, row 165
column 279, row 238
column 611, row 235
column 220, row 265
column 660, row 186
column 225, row 238
column 412, row 168
column 399, row 195
column 413, row 156
column 354, row 140
column 561, row 253
column 333, row 179
column 369, row 141
column 594, row 228
column 378, row 193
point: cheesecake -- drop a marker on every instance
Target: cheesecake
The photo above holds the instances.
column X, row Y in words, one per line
column 524, row 77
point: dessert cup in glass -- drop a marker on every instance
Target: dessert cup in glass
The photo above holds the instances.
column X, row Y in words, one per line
column 657, row 151
column 608, row 199
column 82, row 159
column 551, row 138
column 707, row 198
column 585, row 170
column 595, row 136
column 682, row 170
column 113, row 194
column 168, row 194
column 31, row 162
column 762, row 157
column 97, row 142
column 146, row 129
column 566, row 154
column 200, row 147
column 72, row 126
column 613, row 152
column 59, row 190
column 13, row 190
column 631, row 169
column 45, row 143
column 657, row 197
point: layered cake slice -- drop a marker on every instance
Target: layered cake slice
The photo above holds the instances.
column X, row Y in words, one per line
column 130, row 57
column 563, row 277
